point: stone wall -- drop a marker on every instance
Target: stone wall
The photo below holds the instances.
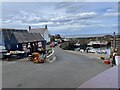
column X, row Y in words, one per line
column 117, row 44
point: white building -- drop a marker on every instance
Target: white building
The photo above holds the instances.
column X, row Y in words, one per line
column 43, row 31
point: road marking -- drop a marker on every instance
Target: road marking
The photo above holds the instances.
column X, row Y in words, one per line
column 8, row 63
column 39, row 64
column 54, row 58
column 12, row 62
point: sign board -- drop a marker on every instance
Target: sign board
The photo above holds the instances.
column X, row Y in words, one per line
column 24, row 45
column 39, row 44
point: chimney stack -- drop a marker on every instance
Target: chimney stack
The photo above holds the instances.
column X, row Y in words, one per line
column 46, row 26
column 29, row 28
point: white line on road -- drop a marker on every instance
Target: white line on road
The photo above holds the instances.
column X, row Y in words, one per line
column 54, row 58
column 8, row 63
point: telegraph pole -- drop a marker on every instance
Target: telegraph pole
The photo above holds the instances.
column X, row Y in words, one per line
column 114, row 41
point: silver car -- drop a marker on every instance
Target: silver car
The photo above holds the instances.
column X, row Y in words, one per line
column 2, row 51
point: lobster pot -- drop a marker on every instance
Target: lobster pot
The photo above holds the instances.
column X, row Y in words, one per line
column 117, row 60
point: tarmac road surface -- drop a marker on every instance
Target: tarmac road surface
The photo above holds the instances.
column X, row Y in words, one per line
column 68, row 71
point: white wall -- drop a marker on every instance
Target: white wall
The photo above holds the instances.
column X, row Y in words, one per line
column 46, row 35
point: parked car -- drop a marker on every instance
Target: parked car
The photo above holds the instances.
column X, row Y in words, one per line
column 81, row 50
column 102, row 51
column 52, row 44
column 77, row 49
column 55, row 43
column 2, row 51
column 90, row 50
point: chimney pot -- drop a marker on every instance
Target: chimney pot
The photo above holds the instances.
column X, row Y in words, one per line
column 46, row 26
column 29, row 27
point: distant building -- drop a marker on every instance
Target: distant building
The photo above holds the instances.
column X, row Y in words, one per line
column 43, row 31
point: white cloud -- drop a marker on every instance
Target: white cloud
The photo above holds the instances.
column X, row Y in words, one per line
column 6, row 21
column 107, row 26
column 41, row 24
column 87, row 13
column 10, row 22
column 112, row 14
column 79, row 16
column 59, row 20
column 110, row 10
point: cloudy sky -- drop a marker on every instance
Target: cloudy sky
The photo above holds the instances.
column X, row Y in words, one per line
column 62, row 17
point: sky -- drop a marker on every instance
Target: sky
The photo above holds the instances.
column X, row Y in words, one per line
column 65, row 18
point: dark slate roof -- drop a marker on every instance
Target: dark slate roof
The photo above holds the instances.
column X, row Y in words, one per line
column 38, row 30
column 8, row 32
column 27, row 37
column 22, row 36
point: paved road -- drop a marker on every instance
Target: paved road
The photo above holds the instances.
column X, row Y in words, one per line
column 68, row 71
